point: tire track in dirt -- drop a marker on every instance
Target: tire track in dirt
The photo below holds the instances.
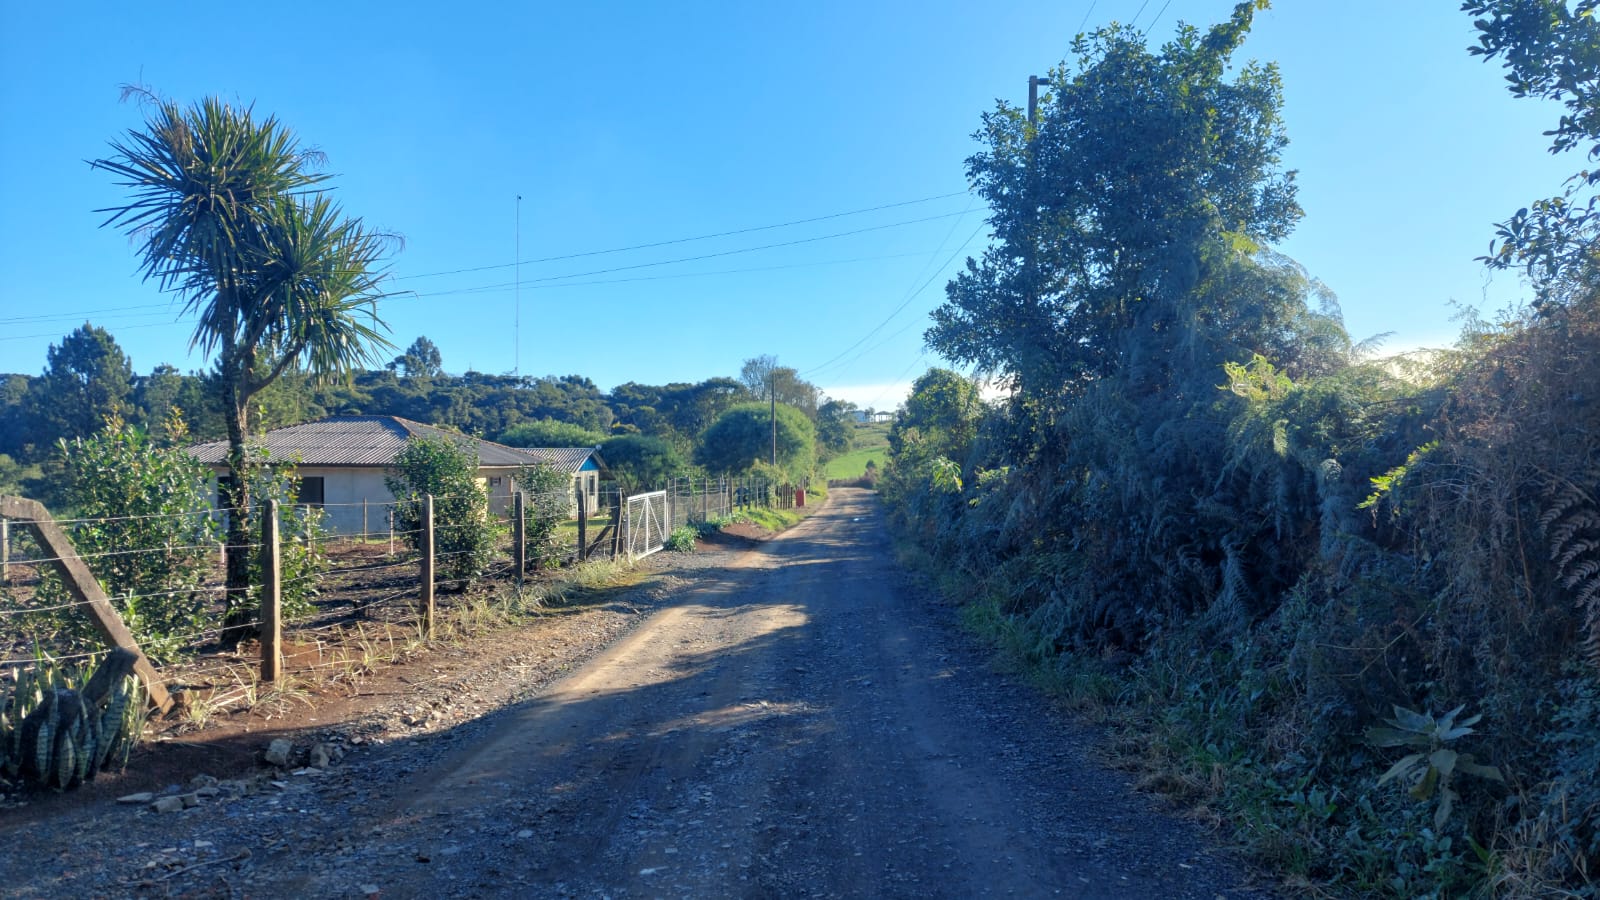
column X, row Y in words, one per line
column 801, row 723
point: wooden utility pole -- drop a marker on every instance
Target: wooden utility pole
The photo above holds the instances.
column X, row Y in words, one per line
column 583, row 526
column 519, row 535
column 271, row 596
column 426, row 543
column 772, row 394
column 1033, row 98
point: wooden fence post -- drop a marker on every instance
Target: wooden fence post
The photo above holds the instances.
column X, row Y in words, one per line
column 583, row 526
column 5, row 551
column 519, row 535
column 271, row 596
column 391, row 529
column 427, row 565
column 363, row 522
column 616, row 523
column 82, row 586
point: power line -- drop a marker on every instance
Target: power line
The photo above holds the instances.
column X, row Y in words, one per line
column 1135, row 20
column 685, row 240
column 1159, row 13
column 898, row 309
column 1086, row 14
column 556, row 278
column 502, row 286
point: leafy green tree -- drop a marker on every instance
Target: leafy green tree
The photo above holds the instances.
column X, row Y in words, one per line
column 550, row 433
column 742, row 437
column 464, row 536
column 940, row 417
column 421, row 360
column 639, row 462
column 144, row 519
column 86, row 380
column 548, row 497
column 229, row 214
column 1551, row 51
column 1145, row 174
column 764, row 378
column 836, row 428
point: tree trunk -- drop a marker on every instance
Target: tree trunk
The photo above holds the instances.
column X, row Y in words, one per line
column 239, row 619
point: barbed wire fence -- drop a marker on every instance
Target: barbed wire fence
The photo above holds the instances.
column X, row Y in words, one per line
column 380, row 575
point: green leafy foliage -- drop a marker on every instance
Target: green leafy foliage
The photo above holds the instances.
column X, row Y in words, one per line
column 640, row 462
column 742, row 437
column 145, row 527
column 548, row 497
column 60, row 726
column 550, row 433
column 464, row 535
column 1431, row 768
column 682, row 538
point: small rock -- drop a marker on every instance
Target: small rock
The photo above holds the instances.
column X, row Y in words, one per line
column 278, row 753
column 167, row 805
column 525, row 833
column 189, row 801
column 138, row 799
column 321, row 756
column 202, row 781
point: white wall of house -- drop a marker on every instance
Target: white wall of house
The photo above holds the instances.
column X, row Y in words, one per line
column 355, row 498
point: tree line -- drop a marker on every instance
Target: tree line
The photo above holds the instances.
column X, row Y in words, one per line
column 1353, row 602
column 655, row 432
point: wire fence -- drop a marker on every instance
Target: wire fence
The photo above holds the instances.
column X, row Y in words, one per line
column 372, row 573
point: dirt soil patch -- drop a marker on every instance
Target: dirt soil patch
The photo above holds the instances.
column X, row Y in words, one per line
column 765, row 717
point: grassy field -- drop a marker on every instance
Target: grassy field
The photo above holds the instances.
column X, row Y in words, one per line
column 872, row 442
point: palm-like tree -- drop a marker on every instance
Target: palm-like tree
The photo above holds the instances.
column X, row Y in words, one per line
column 230, row 216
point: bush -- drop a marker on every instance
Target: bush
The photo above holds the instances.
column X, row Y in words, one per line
column 549, row 502
column 302, row 541
column 464, row 536
column 146, row 532
column 682, row 538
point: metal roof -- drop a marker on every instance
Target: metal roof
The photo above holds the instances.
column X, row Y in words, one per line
column 376, row 440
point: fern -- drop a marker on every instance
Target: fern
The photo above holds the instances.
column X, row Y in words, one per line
column 1571, row 523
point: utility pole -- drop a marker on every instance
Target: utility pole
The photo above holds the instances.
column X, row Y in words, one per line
column 772, row 395
column 1033, row 99
column 516, row 332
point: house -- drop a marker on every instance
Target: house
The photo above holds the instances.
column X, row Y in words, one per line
column 343, row 461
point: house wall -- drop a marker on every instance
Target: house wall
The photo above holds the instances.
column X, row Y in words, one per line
column 345, row 487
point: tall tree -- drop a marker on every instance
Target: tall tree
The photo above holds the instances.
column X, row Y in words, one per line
column 229, row 214
column 87, row 378
column 1551, row 51
column 764, row 378
column 1145, row 173
column 741, row 438
column 421, row 360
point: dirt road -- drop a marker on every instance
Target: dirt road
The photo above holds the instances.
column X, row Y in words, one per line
column 799, row 722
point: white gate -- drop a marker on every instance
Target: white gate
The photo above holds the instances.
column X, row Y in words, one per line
column 645, row 524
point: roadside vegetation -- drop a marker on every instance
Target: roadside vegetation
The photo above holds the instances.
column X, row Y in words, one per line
column 1349, row 607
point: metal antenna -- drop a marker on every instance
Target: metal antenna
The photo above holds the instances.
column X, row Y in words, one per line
column 516, row 334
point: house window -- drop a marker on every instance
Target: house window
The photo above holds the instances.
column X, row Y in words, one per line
column 495, row 481
column 311, row 491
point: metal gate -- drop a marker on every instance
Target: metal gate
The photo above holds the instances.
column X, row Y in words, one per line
column 645, row 524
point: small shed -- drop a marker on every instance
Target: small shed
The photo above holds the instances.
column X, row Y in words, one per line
column 343, row 461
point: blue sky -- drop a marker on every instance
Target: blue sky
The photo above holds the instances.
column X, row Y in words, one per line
column 630, row 124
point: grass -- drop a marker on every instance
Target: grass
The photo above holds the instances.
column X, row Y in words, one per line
column 872, row 443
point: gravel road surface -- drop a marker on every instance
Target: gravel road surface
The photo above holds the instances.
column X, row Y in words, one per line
column 800, row 721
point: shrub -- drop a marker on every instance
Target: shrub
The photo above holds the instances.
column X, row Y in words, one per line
column 464, row 536
column 146, row 532
column 682, row 538
column 549, row 501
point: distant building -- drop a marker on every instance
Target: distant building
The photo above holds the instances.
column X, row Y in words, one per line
column 343, row 461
